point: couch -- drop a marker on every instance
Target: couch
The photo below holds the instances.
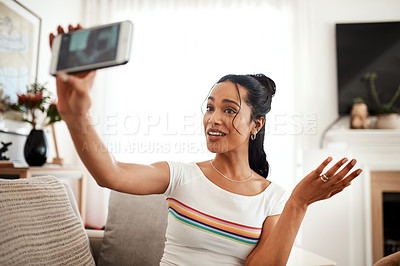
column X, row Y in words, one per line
column 40, row 225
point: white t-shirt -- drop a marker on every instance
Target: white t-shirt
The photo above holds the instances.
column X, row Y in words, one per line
column 208, row 225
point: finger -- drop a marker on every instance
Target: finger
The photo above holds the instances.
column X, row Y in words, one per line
column 345, row 170
column 346, row 181
column 353, row 175
column 62, row 91
column 70, row 82
column 62, row 76
column 65, row 77
column 86, row 75
column 82, row 74
column 60, row 30
column 339, row 187
column 72, row 28
column 78, row 83
column 89, row 75
column 335, row 168
column 337, row 191
column 322, row 166
column 51, row 39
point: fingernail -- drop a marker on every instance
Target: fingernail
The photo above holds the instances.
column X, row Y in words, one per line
column 353, row 162
column 329, row 159
column 345, row 160
column 359, row 171
column 63, row 76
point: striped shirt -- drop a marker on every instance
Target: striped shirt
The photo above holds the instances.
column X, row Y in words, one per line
column 208, row 225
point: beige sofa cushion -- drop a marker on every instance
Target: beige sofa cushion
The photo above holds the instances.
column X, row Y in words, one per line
column 135, row 230
column 38, row 225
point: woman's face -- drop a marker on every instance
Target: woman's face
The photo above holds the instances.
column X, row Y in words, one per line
column 223, row 105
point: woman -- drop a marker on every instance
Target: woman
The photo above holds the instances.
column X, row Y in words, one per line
column 222, row 211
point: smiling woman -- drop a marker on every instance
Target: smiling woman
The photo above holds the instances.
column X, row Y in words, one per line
column 240, row 218
column 257, row 92
column 179, row 49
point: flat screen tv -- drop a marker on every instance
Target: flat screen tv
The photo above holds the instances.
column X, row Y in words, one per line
column 367, row 48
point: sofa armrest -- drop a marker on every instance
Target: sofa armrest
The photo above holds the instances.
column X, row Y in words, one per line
column 95, row 239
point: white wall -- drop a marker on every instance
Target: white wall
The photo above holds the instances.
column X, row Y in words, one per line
column 54, row 13
column 327, row 228
column 318, row 93
column 315, row 93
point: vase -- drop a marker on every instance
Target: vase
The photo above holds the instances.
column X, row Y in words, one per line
column 359, row 116
column 387, row 121
column 35, row 149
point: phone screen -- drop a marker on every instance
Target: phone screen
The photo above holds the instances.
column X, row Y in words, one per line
column 86, row 47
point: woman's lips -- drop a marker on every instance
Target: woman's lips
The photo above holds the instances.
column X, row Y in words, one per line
column 215, row 135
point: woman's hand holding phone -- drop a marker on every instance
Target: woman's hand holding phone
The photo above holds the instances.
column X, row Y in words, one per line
column 73, row 90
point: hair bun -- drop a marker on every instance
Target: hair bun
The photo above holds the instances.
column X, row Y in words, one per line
column 266, row 82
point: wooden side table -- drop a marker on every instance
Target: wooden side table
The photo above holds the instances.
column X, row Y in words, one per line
column 73, row 176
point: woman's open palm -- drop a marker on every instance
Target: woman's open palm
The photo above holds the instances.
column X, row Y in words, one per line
column 317, row 186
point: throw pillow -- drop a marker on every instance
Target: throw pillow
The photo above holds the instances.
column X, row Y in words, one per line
column 38, row 225
column 135, row 230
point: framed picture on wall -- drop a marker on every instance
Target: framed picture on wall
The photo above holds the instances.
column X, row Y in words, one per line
column 19, row 54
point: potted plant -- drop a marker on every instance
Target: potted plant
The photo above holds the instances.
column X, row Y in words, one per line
column 40, row 111
column 387, row 116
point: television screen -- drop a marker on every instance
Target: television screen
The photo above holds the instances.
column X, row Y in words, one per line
column 367, row 48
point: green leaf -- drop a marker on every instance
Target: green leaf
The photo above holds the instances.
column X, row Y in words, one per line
column 53, row 114
column 359, row 100
column 385, row 108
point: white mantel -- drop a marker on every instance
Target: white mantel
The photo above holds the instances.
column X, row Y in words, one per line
column 379, row 149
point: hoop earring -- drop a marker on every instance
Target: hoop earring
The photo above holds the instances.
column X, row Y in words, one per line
column 253, row 136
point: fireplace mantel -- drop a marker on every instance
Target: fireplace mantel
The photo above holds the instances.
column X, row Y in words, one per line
column 379, row 149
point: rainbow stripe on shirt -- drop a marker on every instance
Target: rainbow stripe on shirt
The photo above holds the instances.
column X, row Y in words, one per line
column 199, row 220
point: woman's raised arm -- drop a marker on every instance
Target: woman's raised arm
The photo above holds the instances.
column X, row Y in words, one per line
column 73, row 105
column 279, row 233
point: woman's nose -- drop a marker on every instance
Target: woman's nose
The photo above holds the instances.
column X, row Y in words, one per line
column 215, row 118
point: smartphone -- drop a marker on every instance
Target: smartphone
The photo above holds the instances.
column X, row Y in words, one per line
column 93, row 48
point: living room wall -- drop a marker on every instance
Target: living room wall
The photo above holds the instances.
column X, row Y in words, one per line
column 315, row 93
column 317, row 63
column 54, row 13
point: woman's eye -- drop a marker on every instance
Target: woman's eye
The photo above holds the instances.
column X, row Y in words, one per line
column 209, row 108
column 230, row 111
